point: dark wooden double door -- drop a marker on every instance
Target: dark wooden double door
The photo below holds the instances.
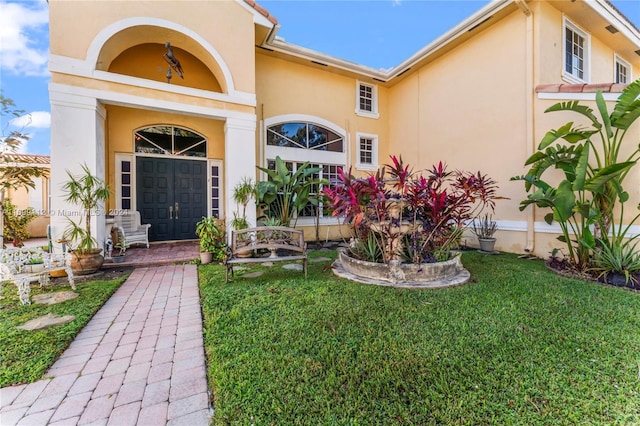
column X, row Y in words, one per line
column 171, row 196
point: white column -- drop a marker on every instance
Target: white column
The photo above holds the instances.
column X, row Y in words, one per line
column 240, row 161
column 77, row 138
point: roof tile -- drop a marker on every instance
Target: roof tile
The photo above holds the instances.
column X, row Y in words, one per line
column 571, row 88
column 261, row 10
column 548, row 88
column 580, row 88
column 592, row 88
column 28, row 158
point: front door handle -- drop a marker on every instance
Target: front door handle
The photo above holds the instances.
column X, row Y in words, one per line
column 176, row 208
column 170, row 212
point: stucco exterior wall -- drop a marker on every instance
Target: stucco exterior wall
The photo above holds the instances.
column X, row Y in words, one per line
column 146, row 61
column 287, row 88
column 467, row 109
column 225, row 24
column 22, row 199
column 549, row 31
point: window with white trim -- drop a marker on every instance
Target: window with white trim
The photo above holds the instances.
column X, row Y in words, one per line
column 576, row 49
column 366, row 100
column 298, row 138
column 367, row 155
column 622, row 71
column 215, row 178
column 170, row 140
column 124, row 182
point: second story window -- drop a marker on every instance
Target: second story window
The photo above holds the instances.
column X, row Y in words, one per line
column 622, row 71
column 576, row 54
column 367, row 152
column 366, row 100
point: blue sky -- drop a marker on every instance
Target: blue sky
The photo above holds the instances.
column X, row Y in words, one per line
column 379, row 34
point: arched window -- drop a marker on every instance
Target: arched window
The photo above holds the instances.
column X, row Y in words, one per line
column 304, row 136
column 298, row 139
column 170, row 140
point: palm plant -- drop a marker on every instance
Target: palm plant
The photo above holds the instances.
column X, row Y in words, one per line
column 243, row 192
column 89, row 192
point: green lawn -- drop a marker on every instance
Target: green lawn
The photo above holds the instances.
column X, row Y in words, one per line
column 518, row 345
column 26, row 355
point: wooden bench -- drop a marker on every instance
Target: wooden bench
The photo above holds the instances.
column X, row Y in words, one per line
column 285, row 244
column 16, row 265
column 134, row 231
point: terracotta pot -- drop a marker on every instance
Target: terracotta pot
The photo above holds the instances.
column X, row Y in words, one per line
column 58, row 273
column 206, row 257
column 87, row 262
column 245, row 253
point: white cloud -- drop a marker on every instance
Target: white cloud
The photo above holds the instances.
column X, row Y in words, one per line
column 24, row 37
column 34, row 120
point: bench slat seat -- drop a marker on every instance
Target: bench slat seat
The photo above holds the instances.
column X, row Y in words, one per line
column 289, row 242
column 134, row 231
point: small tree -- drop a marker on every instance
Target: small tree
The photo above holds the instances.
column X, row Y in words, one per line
column 14, row 172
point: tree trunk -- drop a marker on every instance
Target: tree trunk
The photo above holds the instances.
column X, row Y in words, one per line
column 2, row 191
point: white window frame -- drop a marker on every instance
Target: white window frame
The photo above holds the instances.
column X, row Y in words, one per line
column 374, row 152
column 618, row 60
column 221, row 194
column 120, row 157
column 374, row 100
column 569, row 77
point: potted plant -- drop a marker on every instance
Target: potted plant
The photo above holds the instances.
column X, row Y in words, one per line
column 89, row 192
column 35, row 264
column 212, row 239
column 243, row 192
column 484, row 228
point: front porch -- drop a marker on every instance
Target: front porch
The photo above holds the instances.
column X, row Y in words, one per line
column 160, row 253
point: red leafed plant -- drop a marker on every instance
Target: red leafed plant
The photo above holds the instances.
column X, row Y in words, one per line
column 412, row 217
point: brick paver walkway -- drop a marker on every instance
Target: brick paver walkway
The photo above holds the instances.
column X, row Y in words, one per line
column 139, row 361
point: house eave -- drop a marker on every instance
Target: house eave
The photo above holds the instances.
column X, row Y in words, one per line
column 488, row 15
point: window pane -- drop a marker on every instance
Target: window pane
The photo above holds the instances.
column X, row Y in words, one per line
column 126, row 179
column 170, row 140
column 366, row 98
column 125, row 166
column 292, row 135
column 126, row 204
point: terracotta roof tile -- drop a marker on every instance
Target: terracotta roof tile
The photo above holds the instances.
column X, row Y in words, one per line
column 571, row 88
column 548, row 88
column 28, row 158
column 261, row 10
column 580, row 88
column 592, row 88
